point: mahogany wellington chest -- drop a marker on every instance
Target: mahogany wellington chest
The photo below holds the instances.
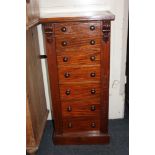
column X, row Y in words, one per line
column 78, row 54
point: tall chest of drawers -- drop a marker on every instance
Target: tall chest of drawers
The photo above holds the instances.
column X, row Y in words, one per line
column 78, row 54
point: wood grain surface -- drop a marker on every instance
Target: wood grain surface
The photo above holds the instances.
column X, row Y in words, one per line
column 36, row 103
column 80, row 29
column 80, row 109
column 53, row 77
column 77, row 44
column 79, row 91
column 77, row 16
column 81, row 124
column 105, row 74
column 89, row 57
column 79, row 73
column 30, row 139
column 78, row 54
column 78, row 138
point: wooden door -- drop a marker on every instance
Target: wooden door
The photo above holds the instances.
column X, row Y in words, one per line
column 37, row 108
column 32, row 12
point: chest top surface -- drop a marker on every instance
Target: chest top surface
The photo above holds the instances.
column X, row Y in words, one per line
column 77, row 16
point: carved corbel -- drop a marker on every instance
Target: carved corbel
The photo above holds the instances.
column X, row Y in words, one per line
column 48, row 30
column 106, row 31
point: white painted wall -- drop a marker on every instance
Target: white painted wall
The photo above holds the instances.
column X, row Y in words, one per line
column 118, row 43
column 44, row 70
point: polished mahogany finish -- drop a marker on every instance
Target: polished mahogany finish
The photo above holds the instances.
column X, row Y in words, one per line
column 73, row 28
column 77, row 44
column 82, row 16
column 90, row 57
column 78, row 73
column 71, row 91
column 83, row 109
column 78, row 53
column 81, row 124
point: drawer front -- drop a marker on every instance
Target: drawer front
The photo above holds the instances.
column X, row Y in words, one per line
column 73, row 125
column 80, row 108
column 79, row 73
column 78, row 28
column 79, row 91
column 89, row 57
column 76, row 44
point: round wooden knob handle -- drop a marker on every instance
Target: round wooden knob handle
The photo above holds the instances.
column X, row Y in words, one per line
column 67, row 75
column 93, row 125
column 93, row 108
column 64, row 43
column 65, row 59
column 68, row 92
column 69, row 109
column 93, row 74
column 93, row 91
column 63, row 29
column 92, row 42
column 69, row 125
column 92, row 58
column 92, row 27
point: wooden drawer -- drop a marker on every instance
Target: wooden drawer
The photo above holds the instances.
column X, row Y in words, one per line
column 78, row 28
column 79, row 91
column 80, row 108
column 81, row 124
column 89, row 57
column 79, row 73
column 77, row 44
